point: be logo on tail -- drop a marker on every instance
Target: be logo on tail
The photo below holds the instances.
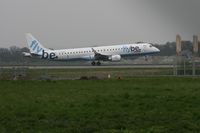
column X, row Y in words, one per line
column 46, row 55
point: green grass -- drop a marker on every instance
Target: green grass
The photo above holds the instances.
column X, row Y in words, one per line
column 136, row 105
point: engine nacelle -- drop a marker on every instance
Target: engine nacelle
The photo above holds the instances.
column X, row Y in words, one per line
column 115, row 58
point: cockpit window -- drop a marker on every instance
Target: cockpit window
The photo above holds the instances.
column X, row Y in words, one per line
column 150, row 45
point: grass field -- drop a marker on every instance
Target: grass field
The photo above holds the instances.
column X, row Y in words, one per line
column 135, row 105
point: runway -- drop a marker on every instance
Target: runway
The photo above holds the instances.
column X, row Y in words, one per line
column 90, row 67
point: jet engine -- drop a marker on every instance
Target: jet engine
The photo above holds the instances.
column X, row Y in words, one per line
column 115, row 58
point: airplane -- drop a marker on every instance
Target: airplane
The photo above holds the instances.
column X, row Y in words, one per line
column 95, row 55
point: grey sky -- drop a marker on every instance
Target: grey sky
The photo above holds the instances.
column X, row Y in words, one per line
column 80, row 23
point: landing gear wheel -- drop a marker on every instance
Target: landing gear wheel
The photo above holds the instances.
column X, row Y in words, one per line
column 93, row 63
column 98, row 63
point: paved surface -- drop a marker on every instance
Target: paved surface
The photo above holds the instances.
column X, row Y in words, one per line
column 89, row 67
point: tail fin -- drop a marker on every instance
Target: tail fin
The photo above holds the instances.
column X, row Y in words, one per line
column 34, row 45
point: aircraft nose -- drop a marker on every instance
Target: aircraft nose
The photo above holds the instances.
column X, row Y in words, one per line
column 157, row 50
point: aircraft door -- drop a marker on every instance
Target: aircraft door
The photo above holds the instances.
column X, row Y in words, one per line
column 144, row 48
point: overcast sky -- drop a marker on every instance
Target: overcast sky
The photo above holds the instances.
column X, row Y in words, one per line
column 80, row 23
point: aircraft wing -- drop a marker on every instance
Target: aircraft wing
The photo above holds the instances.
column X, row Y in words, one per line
column 99, row 56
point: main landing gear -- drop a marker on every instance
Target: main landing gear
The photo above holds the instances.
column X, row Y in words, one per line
column 96, row 63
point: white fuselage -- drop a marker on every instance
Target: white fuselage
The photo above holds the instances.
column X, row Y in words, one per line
column 102, row 53
column 88, row 53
